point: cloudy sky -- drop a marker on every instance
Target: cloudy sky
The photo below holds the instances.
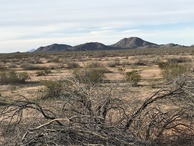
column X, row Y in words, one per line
column 27, row 24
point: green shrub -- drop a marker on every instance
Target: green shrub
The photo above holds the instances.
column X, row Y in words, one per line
column 72, row 65
column 53, row 90
column 11, row 77
column 43, row 72
column 162, row 65
column 171, row 71
column 96, row 66
column 28, row 66
column 22, row 77
column 178, row 60
column 172, row 62
column 114, row 63
column 120, row 69
column 89, row 75
column 2, row 67
column 133, row 77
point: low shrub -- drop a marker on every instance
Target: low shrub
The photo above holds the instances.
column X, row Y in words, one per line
column 133, row 77
column 120, row 69
column 43, row 72
column 111, row 64
column 162, row 65
column 155, row 82
column 3, row 67
column 12, row 65
column 140, row 62
column 72, row 65
column 11, row 77
column 172, row 69
column 94, row 65
column 27, row 66
column 178, row 60
column 114, row 63
column 98, row 67
column 53, row 89
column 89, row 75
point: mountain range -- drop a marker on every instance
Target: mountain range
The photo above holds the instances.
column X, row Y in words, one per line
column 126, row 43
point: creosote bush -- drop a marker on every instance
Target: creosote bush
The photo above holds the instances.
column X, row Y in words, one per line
column 121, row 69
column 133, row 77
column 53, row 89
column 162, row 65
column 172, row 70
column 72, row 65
column 89, row 75
column 178, row 60
column 12, row 77
column 3, row 67
column 28, row 66
column 43, row 72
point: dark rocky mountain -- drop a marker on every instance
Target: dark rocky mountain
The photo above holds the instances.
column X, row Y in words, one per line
column 54, row 48
column 126, row 43
column 133, row 42
column 91, row 46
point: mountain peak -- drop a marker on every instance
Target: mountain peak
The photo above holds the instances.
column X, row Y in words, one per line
column 133, row 42
column 54, row 48
column 91, row 46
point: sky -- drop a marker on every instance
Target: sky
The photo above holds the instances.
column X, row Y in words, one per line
column 28, row 24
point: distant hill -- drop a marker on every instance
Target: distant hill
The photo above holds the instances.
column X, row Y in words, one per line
column 133, row 42
column 126, row 43
column 31, row 50
column 171, row 45
column 91, row 46
column 54, row 48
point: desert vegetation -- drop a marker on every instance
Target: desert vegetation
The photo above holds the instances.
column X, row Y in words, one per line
column 137, row 97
